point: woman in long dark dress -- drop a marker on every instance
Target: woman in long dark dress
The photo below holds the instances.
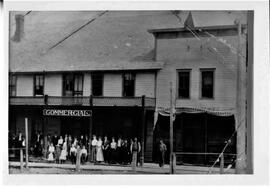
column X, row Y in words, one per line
column 113, row 151
column 106, row 149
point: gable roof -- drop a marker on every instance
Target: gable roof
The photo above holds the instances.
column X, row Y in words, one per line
column 115, row 39
column 97, row 40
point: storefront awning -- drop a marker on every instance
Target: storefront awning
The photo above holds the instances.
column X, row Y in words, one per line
column 177, row 111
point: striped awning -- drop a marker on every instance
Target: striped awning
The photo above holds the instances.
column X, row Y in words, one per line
column 225, row 112
column 212, row 111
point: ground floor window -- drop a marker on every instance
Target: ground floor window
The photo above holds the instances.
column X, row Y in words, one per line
column 195, row 133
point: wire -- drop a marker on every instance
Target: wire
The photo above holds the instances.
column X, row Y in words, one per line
column 229, row 46
column 72, row 33
column 228, row 142
column 199, row 38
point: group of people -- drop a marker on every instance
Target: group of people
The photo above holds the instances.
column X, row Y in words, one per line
column 97, row 150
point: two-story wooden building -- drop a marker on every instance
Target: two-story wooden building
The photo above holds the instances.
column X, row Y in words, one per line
column 200, row 60
column 110, row 63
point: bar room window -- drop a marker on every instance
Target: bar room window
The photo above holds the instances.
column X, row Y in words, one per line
column 128, row 84
column 207, row 83
column 97, row 84
column 73, row 84
column 38, row 85
column 12, row 85
column 184, row 84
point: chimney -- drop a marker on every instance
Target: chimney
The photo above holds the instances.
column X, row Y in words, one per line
column 19, row 32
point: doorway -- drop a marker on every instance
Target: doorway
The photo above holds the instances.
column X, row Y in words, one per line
column 75, row 126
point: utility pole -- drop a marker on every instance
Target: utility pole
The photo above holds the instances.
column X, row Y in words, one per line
column 240, row 108
column 90, row 127
column 143, row 130
column 250, row 16
column 171, row 131
column 26, row 142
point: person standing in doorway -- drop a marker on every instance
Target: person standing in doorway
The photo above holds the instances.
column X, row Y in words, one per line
column 135, row 148
column 162, row 151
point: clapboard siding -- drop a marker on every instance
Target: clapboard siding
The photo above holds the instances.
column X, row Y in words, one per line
column 145, row 84
column 195, row 55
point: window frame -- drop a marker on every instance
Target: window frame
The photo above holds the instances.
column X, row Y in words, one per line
column 102, row 87
column 123, row 84
column 178, row 82
column 34, row 83
column 213, row 70
column 13, row 86
column 73, row 76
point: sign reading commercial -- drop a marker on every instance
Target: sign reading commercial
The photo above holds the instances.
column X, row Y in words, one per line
column 75, row 113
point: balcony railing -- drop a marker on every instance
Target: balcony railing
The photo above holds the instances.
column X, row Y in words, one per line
column 84, row 101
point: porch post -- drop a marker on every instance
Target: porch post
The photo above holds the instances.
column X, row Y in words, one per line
column 143, row 129
column 90, row 127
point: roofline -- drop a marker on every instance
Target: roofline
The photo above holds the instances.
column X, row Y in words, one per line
column 85, row 71
column 182, row 29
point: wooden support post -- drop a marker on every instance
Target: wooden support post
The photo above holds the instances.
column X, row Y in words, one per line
column 240, row 108
column 21, row 159
column 90, row 127
column 143, row 130
column 26, row 142
column 171, row 131
column 78, row 159
column 205, row 138
column 221, row 170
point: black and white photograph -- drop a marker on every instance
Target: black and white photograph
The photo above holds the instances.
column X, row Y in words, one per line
column 130, row 92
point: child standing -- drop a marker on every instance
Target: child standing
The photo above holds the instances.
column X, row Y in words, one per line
column 51, row 153
column 84, row 155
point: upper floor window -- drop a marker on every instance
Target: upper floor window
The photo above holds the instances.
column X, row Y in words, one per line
column 128, row 84
column 12, row 85
column 97, row 84
column 73, row 84
column 207, row 85
column 184, row 84
column 38, row 84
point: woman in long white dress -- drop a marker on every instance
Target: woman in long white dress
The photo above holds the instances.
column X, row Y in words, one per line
column 51, row 153
column 63, row 156
column 100, row 157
